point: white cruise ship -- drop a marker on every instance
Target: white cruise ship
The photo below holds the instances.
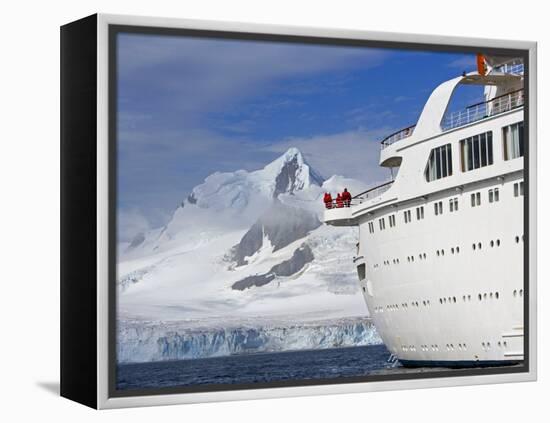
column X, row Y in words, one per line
column 440, row 252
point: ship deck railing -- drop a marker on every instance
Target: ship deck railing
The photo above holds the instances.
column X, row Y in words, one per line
column 478, row 111
column 514, row 68
column 362, row 197
column 396, row 136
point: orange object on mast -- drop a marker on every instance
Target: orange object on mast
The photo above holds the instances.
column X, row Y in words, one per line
column 481, row 65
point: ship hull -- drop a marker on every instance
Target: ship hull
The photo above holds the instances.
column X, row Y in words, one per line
column 447, row 290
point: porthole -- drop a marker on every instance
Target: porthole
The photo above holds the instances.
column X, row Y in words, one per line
column 454, row 299
column 473, row 246
column 491, row 295
column 521, row 292
column 457, row 250
column 505, row 344
column 452, row 250
column 492, row 243
column 424, row 255
column 498, row 242
column 442, row 252
column 479, row 245
column 515, row 293
column 485, row 296
column 464, row 298
column 479, row 296
column 469, row 298
column 496, row 295
column 437, row 253
column 441, row 301
column 517, row 239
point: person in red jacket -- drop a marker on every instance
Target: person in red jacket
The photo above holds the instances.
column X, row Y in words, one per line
column 327, row 199
column 346, row 197
column 339, row 201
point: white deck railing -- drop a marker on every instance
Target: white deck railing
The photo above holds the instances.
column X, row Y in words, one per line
column 513, row 68
column 482, row 110
column 396, row 136
column 362, row 197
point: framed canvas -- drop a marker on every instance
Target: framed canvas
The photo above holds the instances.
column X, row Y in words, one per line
column 253, row 211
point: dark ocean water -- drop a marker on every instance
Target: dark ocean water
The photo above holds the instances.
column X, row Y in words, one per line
column 246, row 369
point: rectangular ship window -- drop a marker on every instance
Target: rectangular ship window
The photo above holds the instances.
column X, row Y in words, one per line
column 493, row 195
column 518, row 189
column 475, row 199
column 420, row 213
column 476, row 151
column 512, row 138
column 361, row 271
column 440, row 163
column 453, row 204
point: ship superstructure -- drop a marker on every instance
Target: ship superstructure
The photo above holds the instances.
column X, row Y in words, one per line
column 441, row 247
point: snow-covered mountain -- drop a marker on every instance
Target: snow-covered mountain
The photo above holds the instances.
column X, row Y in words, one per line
column 243, row 246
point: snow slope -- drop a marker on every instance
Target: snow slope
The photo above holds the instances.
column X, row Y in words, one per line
column 243, row 226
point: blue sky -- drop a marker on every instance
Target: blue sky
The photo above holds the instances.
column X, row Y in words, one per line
column 188, row 107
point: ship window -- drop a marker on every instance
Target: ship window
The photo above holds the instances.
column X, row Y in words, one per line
column 438, row 208
column 476, row 151
column 392, row 220
column 453, row 204
column 475, row 199
column 512, row 137
column 361, row 272
column 493, row 195
column 371, row 227
column 440, row 163
column 407, row 215
column 518, row 189
column 382, row 224
column 420, row 213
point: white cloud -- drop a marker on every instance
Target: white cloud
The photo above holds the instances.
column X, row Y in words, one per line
column 224, row 72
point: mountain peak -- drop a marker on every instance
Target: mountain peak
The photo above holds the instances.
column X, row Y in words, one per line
column 292, row 172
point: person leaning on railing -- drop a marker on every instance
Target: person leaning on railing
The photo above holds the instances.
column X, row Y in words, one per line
column 346, row 197
column 327, row 199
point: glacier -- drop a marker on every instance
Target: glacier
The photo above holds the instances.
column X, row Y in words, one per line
column 145, row 341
